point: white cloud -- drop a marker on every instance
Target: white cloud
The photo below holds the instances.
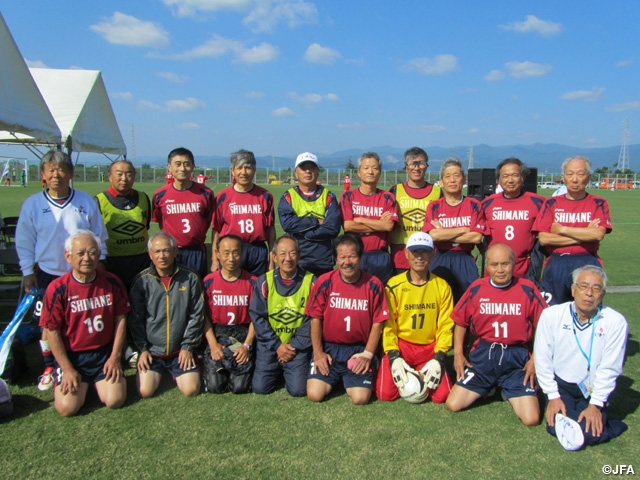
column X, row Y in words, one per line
column 527, row 69
column 494, row 76
column 624, row 63
column 122, row 29
column 310, row 98
column 172, row 77
column 254, row 94
column 218, row 46
column 185, row 105
column 623, row 107
column 316, row 53
column 584, row 95
column 122, row 95
column 35, row 64
column 189, row 126
column 282, row 112
column 265, row 15
column 187, row 8
column 262, row 15
column 533, row 24
column 439, row 65
column 260, row 54
column 473, row 130
column 391, row 159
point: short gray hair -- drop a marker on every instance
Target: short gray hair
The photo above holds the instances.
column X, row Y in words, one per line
column 365, row 155
column 59, row 158
column 286, row 236
column 166, row 236
column 68, row 243
column 577, row 157
column 590, row 269
column 451, row 162
column 242, row 157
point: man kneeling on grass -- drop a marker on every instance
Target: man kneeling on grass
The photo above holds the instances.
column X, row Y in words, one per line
column 167, row 315
column 84, row 316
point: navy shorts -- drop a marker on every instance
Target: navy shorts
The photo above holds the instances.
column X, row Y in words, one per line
column 127, row 267
column 269, row 372
column 255, row 258
column 194, row 258
column 378, row 264
column 458, row 269
column 170, row 364
column 495, row 364
column 43, row 279
column 556, row 278
column 89, row 364
column 340, row 355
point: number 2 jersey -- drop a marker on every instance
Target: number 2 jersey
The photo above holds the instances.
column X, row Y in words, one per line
column 84, row 313
column 505, row 315
column 347, row 310
column 228, row 301
column 185, row 214
column 248, row 215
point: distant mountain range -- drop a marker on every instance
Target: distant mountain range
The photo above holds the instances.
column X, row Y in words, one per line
column 546, row 157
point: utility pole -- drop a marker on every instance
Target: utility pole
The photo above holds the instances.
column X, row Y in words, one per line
column 623, row 158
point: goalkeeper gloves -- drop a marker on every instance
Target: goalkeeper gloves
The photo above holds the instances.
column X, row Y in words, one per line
column 398, row 368
column 432, row 371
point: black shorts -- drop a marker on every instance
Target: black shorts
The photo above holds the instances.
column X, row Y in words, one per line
column 89, row 364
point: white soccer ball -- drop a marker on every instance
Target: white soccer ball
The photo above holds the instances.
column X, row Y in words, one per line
column 414, row 390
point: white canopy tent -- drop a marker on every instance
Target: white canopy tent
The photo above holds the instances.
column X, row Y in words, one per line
column 24, row 115
column 80, row 105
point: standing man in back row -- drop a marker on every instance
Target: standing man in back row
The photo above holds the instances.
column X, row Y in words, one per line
column 571, row 227
column 310, row 214
column 246, row 210
column 184, row 209
column 412, row 198
column 47, row 219
column 371, row 214
column 510, row 215
column 126, row 213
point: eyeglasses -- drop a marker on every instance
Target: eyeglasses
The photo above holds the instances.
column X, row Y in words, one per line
column 416, row 164
column 583, row 287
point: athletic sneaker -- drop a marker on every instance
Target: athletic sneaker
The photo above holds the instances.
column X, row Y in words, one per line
column 45, row 381
column 132, row 357
column 569, row 433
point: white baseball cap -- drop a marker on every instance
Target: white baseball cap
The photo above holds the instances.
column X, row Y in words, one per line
column 420, row 240
column 306, row 157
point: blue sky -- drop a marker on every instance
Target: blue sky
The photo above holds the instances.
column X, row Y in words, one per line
column 280, row 77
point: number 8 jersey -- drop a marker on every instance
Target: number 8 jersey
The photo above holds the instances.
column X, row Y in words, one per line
column 84, row 313
column 505, row 315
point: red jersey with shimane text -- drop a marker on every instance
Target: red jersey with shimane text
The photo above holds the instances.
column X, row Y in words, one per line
column 505, row 315
column 467, row 213
column 347, row 310
column 245, row 214
column 573, row 213
column 510, row 221
column 354, row 204
column 84, row 313
column 228, row 301
column 185, row 214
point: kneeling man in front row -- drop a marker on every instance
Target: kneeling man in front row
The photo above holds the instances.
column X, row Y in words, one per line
column 502, row 311
column 84, row 316
column 167, row 315
column 579, row 355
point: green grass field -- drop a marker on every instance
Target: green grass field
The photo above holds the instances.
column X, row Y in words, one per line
column 276, row 436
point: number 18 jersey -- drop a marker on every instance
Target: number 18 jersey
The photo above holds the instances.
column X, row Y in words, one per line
column 245, row 214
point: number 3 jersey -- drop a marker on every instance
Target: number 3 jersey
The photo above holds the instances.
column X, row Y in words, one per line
column 505, row 315
column 84, row 313
column 245, row 214
column 347, row 310
column 228, row 301
column 185, row 214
